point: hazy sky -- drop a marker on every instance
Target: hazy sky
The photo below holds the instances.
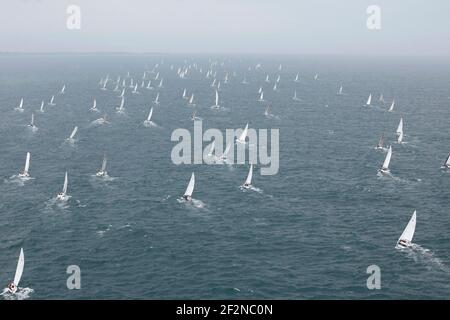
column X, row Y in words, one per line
column 408, row 27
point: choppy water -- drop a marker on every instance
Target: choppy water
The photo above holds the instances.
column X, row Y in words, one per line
column 310, row 233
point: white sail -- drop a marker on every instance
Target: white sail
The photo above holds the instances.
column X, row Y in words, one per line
column 400, row 137
column 122, row 103
column 408, row 233
column 369, row 100
column 248, row 181
column 243, row 134
column 381, row 99
column 157, row 98
column 190, row 187
column 211, row 150
column 104, row 163
column 217, row 99
column 400, row 126
column 227, row 149
column 261, row 96
column 19, row 269
column 42, row 106
column 94, row 106
column 191, row 100
column 66, row 181
column 184, row 93
column 63, row 89
column 74, row 131
column 391, row 108
column 447, row 162
column 32, row 120
column 296, row 78
column 21, row 104
column 340, row 90
column 387, row 160
column 149, row 118
column 27, row 164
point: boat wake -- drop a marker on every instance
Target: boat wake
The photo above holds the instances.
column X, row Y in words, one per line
column 424, row 256
column 251, row 188
column 16, row 179
column 21, row 294
column 195, row 203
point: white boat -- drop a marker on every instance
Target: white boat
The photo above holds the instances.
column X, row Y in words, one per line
column 369, row 100
column 120, row 108
column 63, row 194
column 216, row 105
column 405, row 239
column 275, row 86
column 400, row 138
column 148, row 122
column 149, row 85
column 72, row 135
column 31, row 124
column 122, row 94
column 316, row 76
column 102, row 172
column 135, row 89
column 400, row 126
column 391, row 108
column 267, row 78
column 41, row 109
column 191, row 100
column 156, row 101
column 340, row 90
column 94, row 106
column 184, row 94
column 190, row 189
column 24, row 173
column 447, row 163
column 380, row 143
column 243, row 135
column 212, row 149
column 295, row 98
column 296, row 78
column 385, row 167
column 102, row 120
column 63, row 89
column 248, row 182
column 14, row 286
column 261, row 96
column 20, row 106
column 52, row 102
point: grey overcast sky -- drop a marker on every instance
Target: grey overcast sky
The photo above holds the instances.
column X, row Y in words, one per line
column 408, row 27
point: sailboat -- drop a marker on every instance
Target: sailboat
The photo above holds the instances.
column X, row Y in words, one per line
column 135, row 89
column 102, row 120
column 122, row 93
column 275, row 86
column 31, row 124
column 149, row 85
column 400, row 127
column 156, row 101
column 102, row 172
column 261, row 96
column 380, row 142
column 94, row 106
column 72, row 135
column 248, row 182
column 340, row 90
column 267, row 111
column 391, row 108
column 267, row 78
column 316, row 76
column 120, row 108
column 14, row 286
column 295, row 98
column 63, row 194
column 104, row 84
column 400, row 137
column 381, row 99
column 385, row 167
column 63, row 89
column 216, row 105
column 405, row 239
column 191, row 100
column 160, row 85
column 20, row 106
column 296, row 78
column 52, row 103
column 190, row 189
column 369, row 100
column 194, row 117
column 41, row 109
column 24, row 173
column 148, row 122
column 447, row 163
column 243, row 135
column 184, row 94
column 213, row 83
